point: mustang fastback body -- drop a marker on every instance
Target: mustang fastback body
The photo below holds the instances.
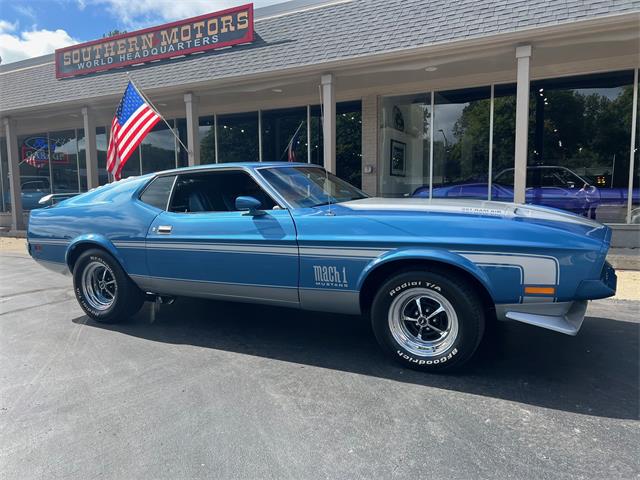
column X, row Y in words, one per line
column 294, row 235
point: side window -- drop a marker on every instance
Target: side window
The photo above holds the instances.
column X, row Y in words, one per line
column 157, row 193
column 216, row 192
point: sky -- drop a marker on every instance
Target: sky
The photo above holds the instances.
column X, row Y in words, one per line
column 30, row 28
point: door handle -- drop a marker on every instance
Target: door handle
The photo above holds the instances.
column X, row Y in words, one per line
column 164, row 229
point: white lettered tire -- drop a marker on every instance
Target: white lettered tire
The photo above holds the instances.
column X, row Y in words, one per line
column 103, row 289
column 428, row 320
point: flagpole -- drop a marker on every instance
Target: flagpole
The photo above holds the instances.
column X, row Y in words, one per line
column 156, row 110
column 291, row 141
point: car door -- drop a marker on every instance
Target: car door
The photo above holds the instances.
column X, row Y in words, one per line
column 202, row 246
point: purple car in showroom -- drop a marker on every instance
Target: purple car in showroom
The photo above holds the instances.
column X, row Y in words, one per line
column 551, row 186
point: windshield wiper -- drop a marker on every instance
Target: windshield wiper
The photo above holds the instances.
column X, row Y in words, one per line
column 321, row 204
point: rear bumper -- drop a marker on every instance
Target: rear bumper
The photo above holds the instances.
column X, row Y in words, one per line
column 563, row 317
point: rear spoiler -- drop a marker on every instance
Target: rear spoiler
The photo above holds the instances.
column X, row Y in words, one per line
column 54, row 198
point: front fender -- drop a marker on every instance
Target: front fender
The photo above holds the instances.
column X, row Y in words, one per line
column 429, row 254
column 95, row 240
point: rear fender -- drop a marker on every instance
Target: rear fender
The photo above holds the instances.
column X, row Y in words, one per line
column 91, row 239
column 428, row 254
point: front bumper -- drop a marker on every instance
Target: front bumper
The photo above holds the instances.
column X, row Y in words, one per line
column 603, row 287
column 563, row 317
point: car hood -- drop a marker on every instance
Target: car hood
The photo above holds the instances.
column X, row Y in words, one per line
column 469, row 207
column 481, row 211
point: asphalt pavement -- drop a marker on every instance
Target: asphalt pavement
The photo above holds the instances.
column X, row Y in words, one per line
column 222, row 390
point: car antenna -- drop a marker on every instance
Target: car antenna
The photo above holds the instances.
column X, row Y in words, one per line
column 326, row 173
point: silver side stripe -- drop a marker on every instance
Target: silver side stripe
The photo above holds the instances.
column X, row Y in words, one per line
column 222, row 248
column 214, row 282
column 48, row 241
column 536, row 269
column 336, row 252
column 128, row 244
column 213, row 247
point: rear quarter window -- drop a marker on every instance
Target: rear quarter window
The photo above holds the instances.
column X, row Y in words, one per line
column 158, row 191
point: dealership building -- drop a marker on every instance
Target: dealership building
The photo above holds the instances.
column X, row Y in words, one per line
column 507, row 100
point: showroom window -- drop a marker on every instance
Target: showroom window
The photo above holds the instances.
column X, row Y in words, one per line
column 317, row 147
column 102, row 144
column 461, row 143
column 349, row 142
column 238, row 137
column 63, row 156
column 405, row 145
column 82, row 160
column 579, row 144
column 35, row 169
column 443, row 136
column 158, row 149
column 182, row 156
column 503, row 143
column 52, row 162
column 279, row 128
column 207, row 139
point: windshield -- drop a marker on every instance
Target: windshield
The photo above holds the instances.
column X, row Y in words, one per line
column 309, row 186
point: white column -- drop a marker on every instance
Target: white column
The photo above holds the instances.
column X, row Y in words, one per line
column 329, row 121
column 91, row 149
column 193, row 142
column 370, row 144
column 490, row 176
column 632, row 153
column 523, row 54
column 17, row 219
column 308, row 133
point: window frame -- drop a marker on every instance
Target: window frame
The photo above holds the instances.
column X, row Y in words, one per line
column 151, row 182
column 277, row 203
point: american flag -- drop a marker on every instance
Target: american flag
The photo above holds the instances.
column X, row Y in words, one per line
column 133, row 120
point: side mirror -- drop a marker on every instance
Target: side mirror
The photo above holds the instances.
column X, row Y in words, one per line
column 250, row 204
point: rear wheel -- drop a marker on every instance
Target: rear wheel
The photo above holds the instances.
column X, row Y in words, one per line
column 428, row 320
column 103, row 289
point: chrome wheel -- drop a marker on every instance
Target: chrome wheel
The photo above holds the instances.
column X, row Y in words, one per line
column 423, row 322
column 99, row 285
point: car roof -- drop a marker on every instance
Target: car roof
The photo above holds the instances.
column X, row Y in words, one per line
column 240, row 165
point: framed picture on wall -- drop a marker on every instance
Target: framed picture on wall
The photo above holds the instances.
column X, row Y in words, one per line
column 398, row 158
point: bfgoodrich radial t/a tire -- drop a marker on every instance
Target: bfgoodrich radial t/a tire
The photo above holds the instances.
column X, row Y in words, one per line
column 103, row 289
column 428, row 320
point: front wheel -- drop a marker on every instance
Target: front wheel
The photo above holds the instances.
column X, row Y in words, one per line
column 428, row 320
column 103, row 289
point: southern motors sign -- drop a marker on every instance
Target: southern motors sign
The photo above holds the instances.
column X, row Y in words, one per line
column 198, row 34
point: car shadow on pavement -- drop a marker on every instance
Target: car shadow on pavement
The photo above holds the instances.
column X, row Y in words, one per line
column 595, row 373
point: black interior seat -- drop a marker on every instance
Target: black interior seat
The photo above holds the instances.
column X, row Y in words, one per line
column 198, row 202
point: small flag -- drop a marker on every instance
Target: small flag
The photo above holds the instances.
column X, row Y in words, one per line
column 133, row 120
column 291, row 149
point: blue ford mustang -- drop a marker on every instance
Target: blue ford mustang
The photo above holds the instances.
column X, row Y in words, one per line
column 430, row 274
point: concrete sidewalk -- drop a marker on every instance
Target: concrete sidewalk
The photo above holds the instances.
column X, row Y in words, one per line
column 625, row 261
